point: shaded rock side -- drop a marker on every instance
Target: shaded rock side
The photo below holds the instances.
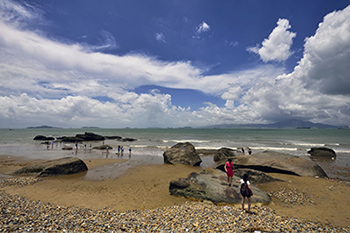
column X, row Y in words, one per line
column 256, row 177
column 63, row 166
column 43, row 138
column 211, row 184
column 323, row 152
column 223, row 154
column 182, row 153
column 70, row 139
column 274, row 162
column 90, row 137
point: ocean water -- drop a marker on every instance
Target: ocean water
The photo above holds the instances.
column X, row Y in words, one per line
column 151, row 143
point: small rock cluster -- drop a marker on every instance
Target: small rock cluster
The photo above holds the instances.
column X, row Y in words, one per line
column 20, row 214
column 292, row 196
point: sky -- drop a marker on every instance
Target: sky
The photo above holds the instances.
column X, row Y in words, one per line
column 179, row 63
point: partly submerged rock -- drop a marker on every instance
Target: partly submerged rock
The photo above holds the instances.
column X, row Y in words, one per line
column 43, row 138
column 103, row 147
column 211, row 184
column 223, row 154
column 63, row 166
column 274, row 162
column 70, row 139
column 182, row 153
column 323, row 152
column 90, row 137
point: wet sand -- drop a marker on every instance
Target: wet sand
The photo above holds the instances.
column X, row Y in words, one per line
column 147, row 187
column 140, row 187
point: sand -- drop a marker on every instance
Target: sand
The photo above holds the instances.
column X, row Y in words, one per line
column 147, row 187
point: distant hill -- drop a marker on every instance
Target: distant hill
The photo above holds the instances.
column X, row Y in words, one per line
column 292, row 123
column 299, row 124
column 42, row 127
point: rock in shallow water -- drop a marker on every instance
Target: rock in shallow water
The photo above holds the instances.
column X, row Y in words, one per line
column 182, row 153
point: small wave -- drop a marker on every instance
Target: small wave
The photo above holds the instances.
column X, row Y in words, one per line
column 332, row 144
column 303, row 144
column 187, row 140
column 344, row 151
column 150, row 146
column 275, row 148
column 207, row 148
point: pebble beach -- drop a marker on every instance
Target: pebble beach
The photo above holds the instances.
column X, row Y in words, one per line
column 20, row 214
column 113, row 209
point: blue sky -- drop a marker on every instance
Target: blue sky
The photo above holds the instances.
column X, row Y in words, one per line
column 173, row 63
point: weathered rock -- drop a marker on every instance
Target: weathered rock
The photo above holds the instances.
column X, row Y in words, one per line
column 113, row 137
column 223, row 154
column 322, row 152
column 274, row 162
column 206, row 152
column 63, row 166
column 211, row 184
column 128, row 139
column 70, row 139
column 256, row 177
column 103, row 147
column 182, row 153
column 43, row 138
column 90, row 137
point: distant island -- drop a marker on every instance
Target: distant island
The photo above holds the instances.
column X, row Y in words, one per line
column 43, row 127
column 292, row 123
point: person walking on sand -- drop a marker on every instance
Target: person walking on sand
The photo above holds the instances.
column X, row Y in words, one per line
column 229, row 171
column 246, row 191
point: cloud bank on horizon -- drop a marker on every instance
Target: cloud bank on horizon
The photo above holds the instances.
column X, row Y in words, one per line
column 48, row 76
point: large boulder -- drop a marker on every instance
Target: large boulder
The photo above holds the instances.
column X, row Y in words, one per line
column 70, row 139
column 43, row 138
column 223, row 154
column 182, row 153
column 63, row 166
column 113, row 137
column 274, row 162
column 211, row 184
column 90, row 137
column 323, row 152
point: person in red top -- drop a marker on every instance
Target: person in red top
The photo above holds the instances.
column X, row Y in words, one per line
column 229, row 171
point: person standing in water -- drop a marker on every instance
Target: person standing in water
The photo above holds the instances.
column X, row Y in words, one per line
column 229, row 171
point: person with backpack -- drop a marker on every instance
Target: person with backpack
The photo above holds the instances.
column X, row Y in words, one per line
column 246, row 191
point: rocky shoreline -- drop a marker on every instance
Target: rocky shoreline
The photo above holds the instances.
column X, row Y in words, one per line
column 20, row 214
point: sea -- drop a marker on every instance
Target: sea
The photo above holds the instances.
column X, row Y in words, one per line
column 150, row 144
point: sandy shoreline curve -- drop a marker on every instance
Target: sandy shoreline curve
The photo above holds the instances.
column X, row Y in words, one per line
column 143, row 187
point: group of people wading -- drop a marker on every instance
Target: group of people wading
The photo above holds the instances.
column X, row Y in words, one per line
column 245, row 189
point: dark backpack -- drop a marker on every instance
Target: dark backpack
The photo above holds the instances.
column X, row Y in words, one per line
column 245, row 191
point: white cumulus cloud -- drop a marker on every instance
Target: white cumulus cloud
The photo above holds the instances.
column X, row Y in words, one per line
column 277, row 46
column 72, row 85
